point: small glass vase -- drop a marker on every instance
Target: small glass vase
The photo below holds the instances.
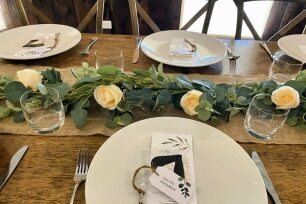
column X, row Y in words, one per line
column 262, row 119
column 44, row 113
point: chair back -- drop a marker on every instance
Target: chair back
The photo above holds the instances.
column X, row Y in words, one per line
column 27, row 9
column 242, row 16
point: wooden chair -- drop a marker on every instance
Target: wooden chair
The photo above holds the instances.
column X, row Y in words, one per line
column 241, row 15
column 135, row 9
column 24, row 6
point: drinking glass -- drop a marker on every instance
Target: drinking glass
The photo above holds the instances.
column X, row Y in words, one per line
column 44, row 113
column 262, row 121
column 284, row 68
column 110, row 57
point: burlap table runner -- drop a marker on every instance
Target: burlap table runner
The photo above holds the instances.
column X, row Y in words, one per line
column 95, row 124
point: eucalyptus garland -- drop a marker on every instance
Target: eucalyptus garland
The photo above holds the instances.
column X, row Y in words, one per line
column 149, row 91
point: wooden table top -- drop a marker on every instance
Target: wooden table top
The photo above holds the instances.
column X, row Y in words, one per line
column 45, row 174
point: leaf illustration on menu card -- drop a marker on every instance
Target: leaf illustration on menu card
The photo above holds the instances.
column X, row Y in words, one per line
column 180, row 143
column 184, row 186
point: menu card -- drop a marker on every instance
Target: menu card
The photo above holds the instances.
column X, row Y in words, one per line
column 173, row 152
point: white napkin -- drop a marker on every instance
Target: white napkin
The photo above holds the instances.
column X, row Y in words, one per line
column 49, row 40
column 163, row 144
column 179, row 47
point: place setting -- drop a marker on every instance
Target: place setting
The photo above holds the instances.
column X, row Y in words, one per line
column 111, row 121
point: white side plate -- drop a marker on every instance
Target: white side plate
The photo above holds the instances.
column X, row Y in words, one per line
column 294, row 45
column 11, row 41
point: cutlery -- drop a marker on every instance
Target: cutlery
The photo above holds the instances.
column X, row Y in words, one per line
column 136, row 52
column 230, row 55
column 193, row 46
column 80, row 171
column 265, row 47
column 265, row 176
column 87, row 49
column 53, row 44
column 12, row 165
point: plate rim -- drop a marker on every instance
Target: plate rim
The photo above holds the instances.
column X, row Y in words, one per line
column 75, row 42
column 279, row 43
column 183, row 65
column 225, row 136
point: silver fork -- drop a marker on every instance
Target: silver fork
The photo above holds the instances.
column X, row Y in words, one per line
column 87, row 49
column 231, row 56
column 80, row 171
column 193, row 46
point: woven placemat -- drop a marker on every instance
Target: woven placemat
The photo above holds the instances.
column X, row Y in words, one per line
column 97, row 116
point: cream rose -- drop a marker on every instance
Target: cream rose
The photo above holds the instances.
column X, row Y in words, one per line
column 29, row 78
column 285, row 97
column 108, row 96
column 190, row 101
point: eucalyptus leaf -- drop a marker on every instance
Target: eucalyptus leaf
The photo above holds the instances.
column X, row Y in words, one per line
column 4, row 112
column 14, row 90
column 52, row 76
column 299, row 86
column 125, row 119
column 204, row 115
column 79, row 117
column 110, row 124
column 62, row 88
column 141, row 72
column 207, row 84
column 184, row 82
column 292, row 121
column 160, row 68
column 18, row 117
column 108, row 70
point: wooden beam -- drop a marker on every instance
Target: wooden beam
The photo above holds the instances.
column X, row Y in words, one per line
column 147, row 18
column 134, row 17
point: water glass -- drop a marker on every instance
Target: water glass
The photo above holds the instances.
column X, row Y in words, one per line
column 284, row 68
column 112, row 57
column 262, row 121
column 44, row 113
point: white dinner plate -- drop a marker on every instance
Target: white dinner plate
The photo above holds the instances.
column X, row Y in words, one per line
column 224, row 172
column 209, row 49
column 294, row 45
column 11, row 41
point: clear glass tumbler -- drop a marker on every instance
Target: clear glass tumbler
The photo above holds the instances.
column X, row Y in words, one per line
column 44, row 113
column 113, row 57
column 285, row 68
column 262, row 121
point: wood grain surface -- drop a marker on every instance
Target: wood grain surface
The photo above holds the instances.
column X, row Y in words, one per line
column 45, row 175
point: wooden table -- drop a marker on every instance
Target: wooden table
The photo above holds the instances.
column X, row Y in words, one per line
column 45, row 175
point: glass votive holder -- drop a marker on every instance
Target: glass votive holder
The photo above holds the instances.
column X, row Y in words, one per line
column 262, row 119
column 44, row 113
column 112, row 57
column 284, row 68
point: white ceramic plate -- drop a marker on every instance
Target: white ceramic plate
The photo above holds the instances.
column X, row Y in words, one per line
column 294, row 45
column 224, row 171
column 11, row 41
column 157, row 46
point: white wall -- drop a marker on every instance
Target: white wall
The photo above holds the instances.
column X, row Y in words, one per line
column 223, row 21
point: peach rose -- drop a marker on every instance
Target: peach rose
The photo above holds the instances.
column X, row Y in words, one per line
column 29, row 78
column 108, row 96
column 190, row 101
column 285, row 98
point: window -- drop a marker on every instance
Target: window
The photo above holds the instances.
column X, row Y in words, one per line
column 224, row 17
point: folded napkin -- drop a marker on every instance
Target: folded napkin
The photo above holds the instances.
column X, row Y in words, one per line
column 48, row 41
column 174, row 146
column 179, row 47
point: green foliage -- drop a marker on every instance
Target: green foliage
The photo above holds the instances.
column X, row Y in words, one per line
column 4, row 112
column 79, row 117
column 51, row 76
column 14, row 90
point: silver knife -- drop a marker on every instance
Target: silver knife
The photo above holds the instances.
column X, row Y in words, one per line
column 13, row 164
column 136, row 52
column 266, row 178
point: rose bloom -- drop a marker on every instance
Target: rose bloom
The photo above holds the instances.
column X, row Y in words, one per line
column 190, row 101
column 108, row 96
column 285, row 98
column 29, row 78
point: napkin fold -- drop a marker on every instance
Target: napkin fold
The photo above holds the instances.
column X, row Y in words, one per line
column 48, row 40
column 179, row 47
